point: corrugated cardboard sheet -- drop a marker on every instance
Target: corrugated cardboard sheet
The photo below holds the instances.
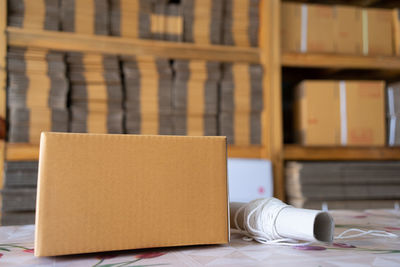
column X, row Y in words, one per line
column 112, row 192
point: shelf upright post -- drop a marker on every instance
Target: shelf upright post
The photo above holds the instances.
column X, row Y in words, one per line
column 3, row 75
column 272, row 114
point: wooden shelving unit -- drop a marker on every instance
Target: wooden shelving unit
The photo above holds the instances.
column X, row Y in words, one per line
column 296, row 152
column 268, row 54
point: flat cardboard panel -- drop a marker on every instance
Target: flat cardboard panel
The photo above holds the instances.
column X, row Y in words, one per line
column 348, row 30
column 112, row 192
column 365, row 113
column 318, row 113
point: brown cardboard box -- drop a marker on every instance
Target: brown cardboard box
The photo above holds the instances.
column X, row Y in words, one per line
column 317, row 113
column 365, row 106
column 290, row 27
column 100, row 192
column 307, row 28
column 378, row 31
column 340, row 113
column 348, row 30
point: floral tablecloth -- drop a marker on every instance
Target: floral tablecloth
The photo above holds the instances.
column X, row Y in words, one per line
column 16, row 249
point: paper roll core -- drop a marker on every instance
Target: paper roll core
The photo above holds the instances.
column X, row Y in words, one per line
column 299, row 224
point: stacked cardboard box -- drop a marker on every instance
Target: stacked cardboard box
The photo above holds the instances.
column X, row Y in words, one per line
column 19, row 192
column 39, row 15
column 241, row 22
column 37, row 93
column 96, row 93
column 343, row 184
column 195, row 97
column 85, row 16
column 148, row 89
column 393, row 114
column 203, row 21
column 241, row 103
column 336, row 29
column 148, row 19
column 340, row 113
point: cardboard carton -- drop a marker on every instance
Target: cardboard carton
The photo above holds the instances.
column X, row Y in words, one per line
column 340, row 113
column 307, row 28
column 378, row 31
column 348, row 30
column 317, row 113
column 365, row 105
column 100, row 192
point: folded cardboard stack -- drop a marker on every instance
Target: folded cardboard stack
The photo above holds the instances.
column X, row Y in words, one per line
column 343, row 184
column 131, row 18
column 336, row 29
column 393, row 114
column 203, row 21
column 37, row 93
column 195, row 97
column 38, row 15
column 85, row 16
column 148, row 89
column 241, row 103
column 147, row 19
column 241, row 22
column 334, row 113
column 96, row 93
column 19, row 192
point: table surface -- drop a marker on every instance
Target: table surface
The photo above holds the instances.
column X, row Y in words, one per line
column 16, row 249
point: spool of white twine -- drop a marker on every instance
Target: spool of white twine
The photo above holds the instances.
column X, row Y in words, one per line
column 270, row 221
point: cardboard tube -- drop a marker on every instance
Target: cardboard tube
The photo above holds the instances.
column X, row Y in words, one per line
column 299, row 224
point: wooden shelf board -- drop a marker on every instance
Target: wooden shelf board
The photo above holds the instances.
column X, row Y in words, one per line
column 296, row 152
column 245, row 151
column 66, row 41
column 336, row 61
column 25, row 152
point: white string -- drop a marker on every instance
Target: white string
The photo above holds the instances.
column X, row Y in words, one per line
column 259, row 219
column 259, row 224
column 364, row 233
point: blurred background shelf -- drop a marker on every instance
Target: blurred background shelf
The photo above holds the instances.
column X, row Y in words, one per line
column 65, row 41
column 28, row 152
column 297, row 152
column 337, row 61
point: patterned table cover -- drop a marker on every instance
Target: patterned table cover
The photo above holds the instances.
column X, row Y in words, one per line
column 16, row 249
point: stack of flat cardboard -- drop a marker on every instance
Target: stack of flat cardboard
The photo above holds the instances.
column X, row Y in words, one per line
column 85, row 16
column 241, row 22
column 147, row 19
column 336, row 29
column 195, row 97
column 393, row 114
column 37, row 93
column 148, row 89
column 96, row 93
column 343, row 184
column 334, row 113
column 203, row 21
column 38, row 15
column 241, row 103
column 19, row 192
column 131, row 18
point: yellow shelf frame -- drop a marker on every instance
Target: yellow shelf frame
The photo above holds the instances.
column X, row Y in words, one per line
column 297, row 152
column 338, row 61
column 66, row 41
